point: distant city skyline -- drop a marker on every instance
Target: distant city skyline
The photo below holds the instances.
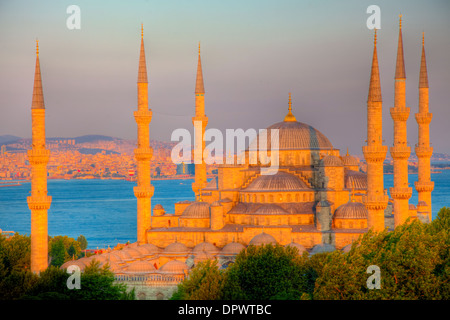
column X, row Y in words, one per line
column 253, row 54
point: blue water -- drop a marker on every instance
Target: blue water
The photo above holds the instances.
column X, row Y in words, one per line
column 104, row 211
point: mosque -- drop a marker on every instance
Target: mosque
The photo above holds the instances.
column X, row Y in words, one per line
column 317, row 201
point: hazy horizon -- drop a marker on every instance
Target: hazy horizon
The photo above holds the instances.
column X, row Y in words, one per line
column 253, row 54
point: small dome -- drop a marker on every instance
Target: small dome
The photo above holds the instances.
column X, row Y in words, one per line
column 140, row 267
column 176, row 247
column 205, row 247
column 300, row 248
column 123, row 254
column 270, row 209
column 158, row 207
column 422, row 204
column 330, row 161
column 174, row 266
column 262, row 238
column 351, row 210
column 232, row 248
column 196, row 210
column 320, row 248
column 202, row 256
column 281, row 181
column 113, row 257
column 113, row 266
column 349, row 161
column 133, row 252
column 148, row 248
column 412, row 207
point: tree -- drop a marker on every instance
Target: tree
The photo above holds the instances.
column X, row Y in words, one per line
column 205, row 282
column 83, row 242
column 265, row 273
column 57, row 253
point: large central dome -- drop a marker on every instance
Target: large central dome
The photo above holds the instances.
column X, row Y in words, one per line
column 294, row 135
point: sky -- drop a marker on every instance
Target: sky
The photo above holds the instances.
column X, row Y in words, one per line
column 253, row 54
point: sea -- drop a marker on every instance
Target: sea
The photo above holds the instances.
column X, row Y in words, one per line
column 104, row 211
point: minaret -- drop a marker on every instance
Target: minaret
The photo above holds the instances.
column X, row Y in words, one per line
column 375, row 153
column 39, row 202
column 424, row 185
column 400, row 152
column 200, row 121
column 143, row 153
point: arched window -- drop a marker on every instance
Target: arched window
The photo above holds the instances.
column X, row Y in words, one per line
column 288, row 198
column 270, row 198
column 263, row 198
column 297, row 197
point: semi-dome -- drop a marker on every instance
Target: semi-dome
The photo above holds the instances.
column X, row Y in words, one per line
column 140, row 267
column 123, row 254
column 351, row 210
column 232, row 248
column 205, row 247
column 113, row 257
column 262, row 238
column 270, row 209
column 176, row 247
column 281, row 181
column 77, row 263
column 300, row 248
column 331, row 161
column 294, row 135
column 174, row 266
column 196, row 210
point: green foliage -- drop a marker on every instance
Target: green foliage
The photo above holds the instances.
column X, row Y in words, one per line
column 265, row 273
column 83, row 242
column 63, row 249
column 205, row 282
column 18, row 282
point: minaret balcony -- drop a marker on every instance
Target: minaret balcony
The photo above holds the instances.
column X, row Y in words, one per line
column 424, row 151
column 400, row 193
column 423, row 118
column 38, row 156
column 400, row 114
column 143, row 154
column 203, row 119
column 374, row 154
column 144, row 191
column 143, row 116
column 39, row 202
column 424, row 186
column 400, row 152
column 375, row 202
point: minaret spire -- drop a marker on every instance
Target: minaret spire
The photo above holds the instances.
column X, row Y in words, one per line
column 374, row 152
column 39, row 202
column 199, row 87
column 400, row 151
column 143, row 153
column 142, row 73
column 200, row 121
column 424, row 150
column 38, row 96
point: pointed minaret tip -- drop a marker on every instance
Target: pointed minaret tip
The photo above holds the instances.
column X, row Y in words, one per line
column 199, row 87
column 142, row 72
column 400, row 66
column 38, row 94
column 374, row 86
column 290, row 117
column 423, row 80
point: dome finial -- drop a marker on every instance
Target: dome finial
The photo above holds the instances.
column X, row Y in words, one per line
column 423, row 39
column 347, row 152
column 199, row 48
column 352, row 195
column 375, row 38
column 37, row 47
column 400, row 16
column 290, row 117
column 142, row 31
